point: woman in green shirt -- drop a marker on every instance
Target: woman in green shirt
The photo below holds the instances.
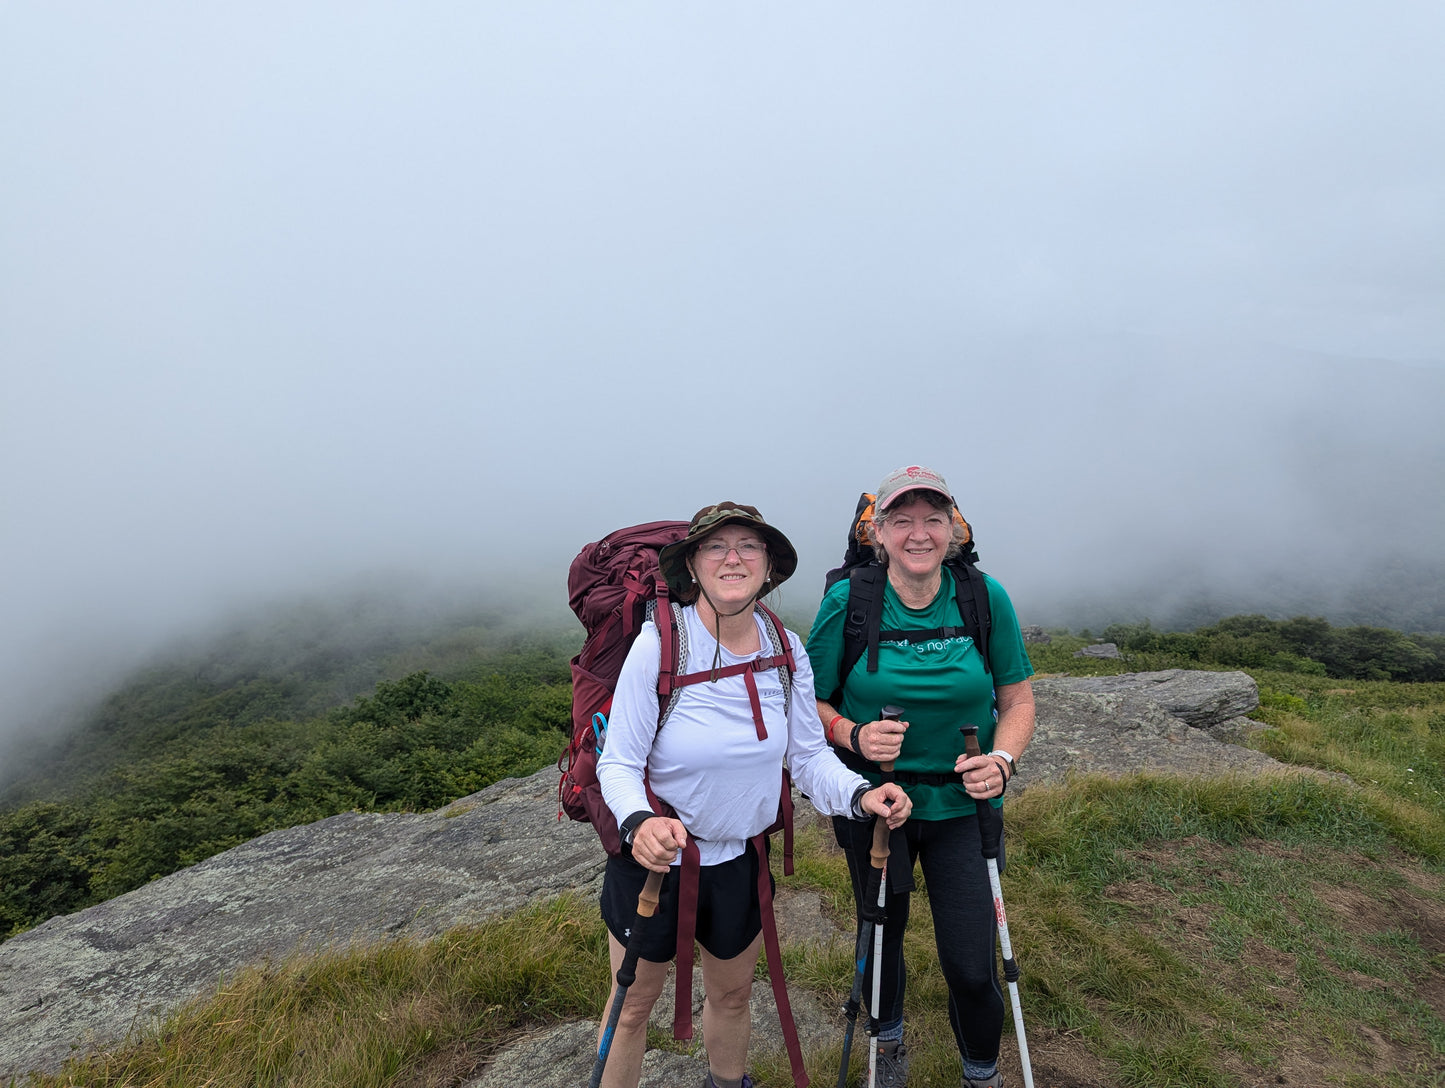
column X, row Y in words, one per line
column 942, row 684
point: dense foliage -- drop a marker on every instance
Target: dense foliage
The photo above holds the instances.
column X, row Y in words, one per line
column 1302, row 644
column 176, row 769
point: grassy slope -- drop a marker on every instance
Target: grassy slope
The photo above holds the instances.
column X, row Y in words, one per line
column 1171, row 933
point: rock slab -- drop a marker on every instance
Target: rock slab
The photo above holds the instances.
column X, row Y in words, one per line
column 88, row 978
column 1175, row 721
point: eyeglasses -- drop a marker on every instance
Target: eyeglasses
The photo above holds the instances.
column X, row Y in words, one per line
column 716, row 551
column 933, row 524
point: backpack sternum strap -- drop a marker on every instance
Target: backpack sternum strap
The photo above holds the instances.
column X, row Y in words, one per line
column 747, row 670
column 864, row 615
column 926, row 634
column 782, row 660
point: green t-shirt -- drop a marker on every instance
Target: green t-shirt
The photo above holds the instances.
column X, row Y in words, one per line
column 941, row 684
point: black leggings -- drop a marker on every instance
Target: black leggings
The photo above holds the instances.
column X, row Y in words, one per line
column 964, row 926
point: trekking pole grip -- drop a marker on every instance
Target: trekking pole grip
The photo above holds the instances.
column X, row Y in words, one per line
column 879, row 852
column 647, row 899
column 990, row 820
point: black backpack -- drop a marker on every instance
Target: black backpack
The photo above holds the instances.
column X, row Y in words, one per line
column 866, row 581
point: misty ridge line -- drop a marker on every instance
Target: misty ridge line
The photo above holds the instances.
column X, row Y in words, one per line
column 261, row 731
column 344, row 644
column 385, row 610
column 1240, row 484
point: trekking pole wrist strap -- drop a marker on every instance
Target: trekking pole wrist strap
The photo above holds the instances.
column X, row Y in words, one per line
column 854, row 741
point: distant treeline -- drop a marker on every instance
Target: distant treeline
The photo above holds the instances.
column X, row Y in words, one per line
column 1302, row 644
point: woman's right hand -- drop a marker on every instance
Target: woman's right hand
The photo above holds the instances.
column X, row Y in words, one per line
column 656, row 842
column 881, row 741
column 890, row 801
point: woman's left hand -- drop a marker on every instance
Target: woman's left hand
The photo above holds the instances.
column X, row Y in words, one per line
column 983, row 777
column 889, row 801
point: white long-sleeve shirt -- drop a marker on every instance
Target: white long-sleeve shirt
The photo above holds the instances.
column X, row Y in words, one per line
column 707, row 761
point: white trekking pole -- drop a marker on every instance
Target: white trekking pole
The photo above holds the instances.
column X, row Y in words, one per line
column 878, row 855
column 990, row 831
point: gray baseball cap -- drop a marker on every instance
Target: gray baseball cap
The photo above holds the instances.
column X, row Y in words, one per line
column 910, row 478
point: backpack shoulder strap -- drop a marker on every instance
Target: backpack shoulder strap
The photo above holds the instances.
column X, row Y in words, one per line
column 782, row 648
column 673, row 633
column 971, row 593
column 861, row 619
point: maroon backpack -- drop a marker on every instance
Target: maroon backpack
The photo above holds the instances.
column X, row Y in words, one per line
column 614, row 586
column 610, row 587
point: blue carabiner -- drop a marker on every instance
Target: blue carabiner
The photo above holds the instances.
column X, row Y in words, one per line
column 599, row 729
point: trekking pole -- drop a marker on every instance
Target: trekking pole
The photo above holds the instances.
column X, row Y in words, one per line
column 872, row 915
column 627, row 970
column 878, row 855
column 855, row 998
column 990, row 831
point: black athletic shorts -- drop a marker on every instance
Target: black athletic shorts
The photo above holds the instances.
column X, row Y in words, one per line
column 729, row 916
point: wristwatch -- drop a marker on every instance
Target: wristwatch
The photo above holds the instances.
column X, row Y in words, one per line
column 632, row 823
column 858, row 812
column 1013, row 767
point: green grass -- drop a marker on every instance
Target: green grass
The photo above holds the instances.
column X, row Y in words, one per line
column 397, row 1013
column 1176, row 933
column 1152, row 917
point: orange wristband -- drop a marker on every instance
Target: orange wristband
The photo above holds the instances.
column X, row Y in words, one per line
column 836, row 719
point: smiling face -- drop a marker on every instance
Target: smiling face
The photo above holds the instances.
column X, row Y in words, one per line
column 730, row 565
column 916, row 536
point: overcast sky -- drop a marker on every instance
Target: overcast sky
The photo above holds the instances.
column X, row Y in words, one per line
column 295, row 292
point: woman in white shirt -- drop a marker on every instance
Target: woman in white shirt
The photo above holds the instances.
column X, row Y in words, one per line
column 716, row 763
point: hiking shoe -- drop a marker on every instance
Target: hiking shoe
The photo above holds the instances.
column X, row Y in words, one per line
column 892, row 1065
column 995, row 1081
column 708, row 1082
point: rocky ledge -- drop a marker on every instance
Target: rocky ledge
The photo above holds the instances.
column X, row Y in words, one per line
column 86, row 979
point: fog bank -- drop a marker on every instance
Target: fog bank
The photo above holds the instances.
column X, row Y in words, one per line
column 313, row 293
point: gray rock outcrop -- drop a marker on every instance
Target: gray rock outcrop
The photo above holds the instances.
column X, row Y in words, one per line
column 86, row 979
column 1204, row 700
column 1159, row 721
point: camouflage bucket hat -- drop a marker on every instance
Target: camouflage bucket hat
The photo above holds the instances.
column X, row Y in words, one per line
column 672, row 560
